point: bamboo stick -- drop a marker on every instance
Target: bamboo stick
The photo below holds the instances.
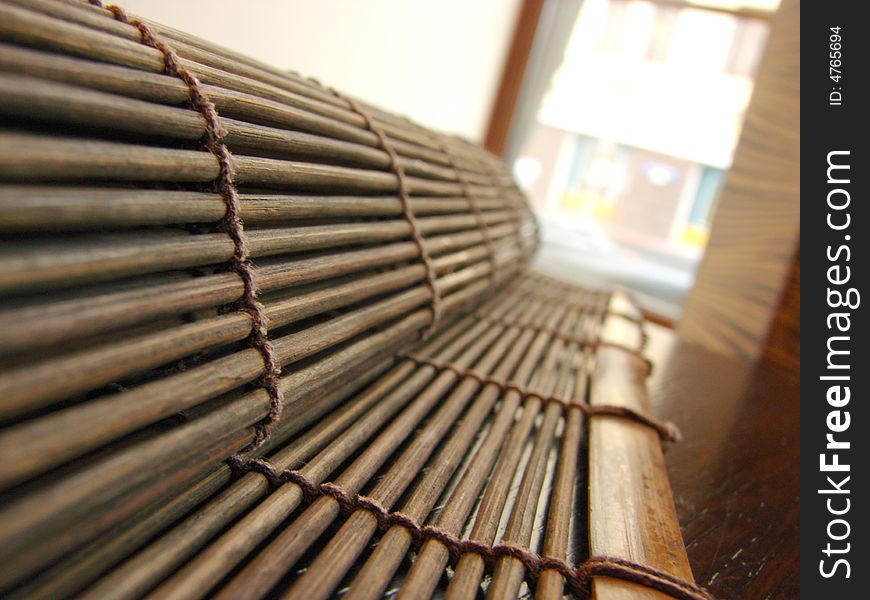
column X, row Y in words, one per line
column 65, row 434
column 261, row 573
column 194, row 52
column 84, row 559
column 128, row 378
column 356, row 531
column 27, row 97
column 469, row 570
column 25, row 25
column 240, row 105
column 68, row 576
column 104, row 257
column 83, row 14
column 169, row 32
column 213, row 55
column 144, row 570
column 550, row 584
column 42, row 325
column 229, row 103
column 31, row 157
column 32, row 28
column 25, row 552
column 44, row 208
column 509, row 572
column 93, row 368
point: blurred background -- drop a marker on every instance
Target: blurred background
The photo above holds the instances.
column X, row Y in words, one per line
column 620, row 118
column 624, row 137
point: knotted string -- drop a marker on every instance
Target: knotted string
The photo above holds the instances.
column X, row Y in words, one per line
column 231, row 224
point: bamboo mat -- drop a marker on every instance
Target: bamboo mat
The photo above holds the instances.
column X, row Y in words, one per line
column 260, row 339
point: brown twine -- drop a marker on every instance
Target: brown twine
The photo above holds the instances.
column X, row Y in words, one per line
column 577, row 579
column 667, row 431
column 405, row 197
column 472, row 204
column 232, row 222
column 571, row 339
column 600, row 312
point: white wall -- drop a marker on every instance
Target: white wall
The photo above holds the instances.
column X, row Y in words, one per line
column 436, row 61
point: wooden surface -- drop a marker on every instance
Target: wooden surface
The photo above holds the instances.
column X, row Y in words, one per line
column 735, row 475
column 740, row 280
column 784, row 341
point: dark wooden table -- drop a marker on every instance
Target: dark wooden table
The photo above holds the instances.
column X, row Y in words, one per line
column 735, row 475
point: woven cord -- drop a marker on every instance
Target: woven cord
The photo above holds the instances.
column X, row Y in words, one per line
column 231, row 224
column 572, row 339
column 473, row 206
column 408, row 213
column 667, row 431
column 577, row 579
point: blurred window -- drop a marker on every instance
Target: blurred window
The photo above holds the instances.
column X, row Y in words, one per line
column 636, row 131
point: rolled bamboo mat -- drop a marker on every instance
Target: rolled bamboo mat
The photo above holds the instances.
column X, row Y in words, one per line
column 258, row 338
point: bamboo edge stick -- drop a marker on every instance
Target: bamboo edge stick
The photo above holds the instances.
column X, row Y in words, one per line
column 642, row 526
